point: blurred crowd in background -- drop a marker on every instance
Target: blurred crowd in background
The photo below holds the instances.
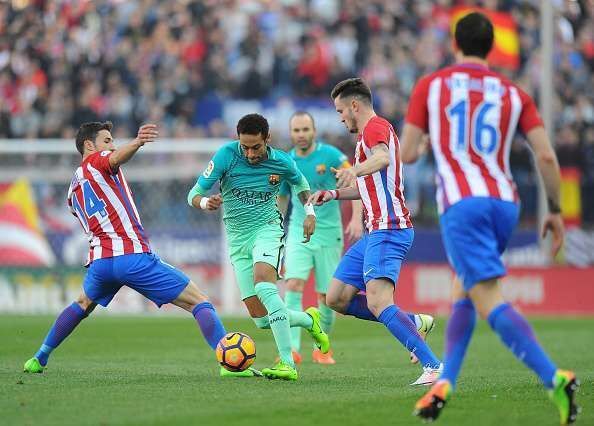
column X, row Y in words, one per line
column 183, row 63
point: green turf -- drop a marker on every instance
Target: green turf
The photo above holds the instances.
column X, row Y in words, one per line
column 158, row 370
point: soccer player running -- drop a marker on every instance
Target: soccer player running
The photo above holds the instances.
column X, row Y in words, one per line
column 250, row 174
column 315, row 160
column 373, row 263
column 120, row 253
column 471, row 114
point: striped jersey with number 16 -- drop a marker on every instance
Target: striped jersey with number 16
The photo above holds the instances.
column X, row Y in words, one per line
column 103, row 203
column 471, row 114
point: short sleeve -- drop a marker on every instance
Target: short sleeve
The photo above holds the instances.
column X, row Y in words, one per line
column 417, row 113
column 293, row 175
column 376, row 132
column 215, row 169
column 100, row 161
column 285, row 189
column 529, row 117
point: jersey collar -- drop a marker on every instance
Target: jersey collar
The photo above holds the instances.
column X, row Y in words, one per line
column 473, row 65
column 293, row 151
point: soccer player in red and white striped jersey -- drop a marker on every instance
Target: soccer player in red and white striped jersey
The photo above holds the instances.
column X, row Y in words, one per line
column 100, row 198
column 120, row 253
column 373, row 263
column 471, row 114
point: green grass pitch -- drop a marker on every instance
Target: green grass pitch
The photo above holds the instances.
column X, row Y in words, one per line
column 159, row 370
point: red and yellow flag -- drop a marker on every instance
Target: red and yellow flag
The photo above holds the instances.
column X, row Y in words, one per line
column 22, row 242
column 506, row 48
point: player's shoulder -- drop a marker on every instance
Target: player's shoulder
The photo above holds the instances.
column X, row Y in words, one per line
column 326, row 148
column 230, row 148
column 282, row 156
column 377, row 123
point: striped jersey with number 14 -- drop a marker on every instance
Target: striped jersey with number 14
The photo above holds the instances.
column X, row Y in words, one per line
column 471, row 114
column 103, row 203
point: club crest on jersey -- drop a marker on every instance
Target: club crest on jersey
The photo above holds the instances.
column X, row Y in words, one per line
column 274, row 179
column 321, row 169
column 209, row 169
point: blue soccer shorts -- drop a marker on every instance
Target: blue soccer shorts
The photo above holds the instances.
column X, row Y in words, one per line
column 144, row 272
column 475, row 233
column 377, row 255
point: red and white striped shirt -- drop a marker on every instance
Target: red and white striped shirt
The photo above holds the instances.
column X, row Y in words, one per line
column 382, row 192
column 103, row 203
column 471, row 114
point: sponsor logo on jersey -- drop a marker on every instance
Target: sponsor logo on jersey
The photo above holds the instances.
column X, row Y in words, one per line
column 321, row 169
column 251, row 197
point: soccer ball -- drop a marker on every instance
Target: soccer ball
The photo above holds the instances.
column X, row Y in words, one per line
column 236, row 351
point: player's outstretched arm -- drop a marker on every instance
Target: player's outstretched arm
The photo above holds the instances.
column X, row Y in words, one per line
column 413, row 143
column 547, row 164
column 146, row 134
column 320, row 197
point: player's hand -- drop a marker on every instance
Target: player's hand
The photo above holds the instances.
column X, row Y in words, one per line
column 214, row 202
column 354, row 229
column 309, row 226
column 554, row 223
column 147, row 133
column 319, row 197
column 344, row 177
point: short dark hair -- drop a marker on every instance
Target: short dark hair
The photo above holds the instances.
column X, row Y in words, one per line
column 253, row 124
column 352, row 87
column 89, row 131
column 302, row 112
column 474, row 35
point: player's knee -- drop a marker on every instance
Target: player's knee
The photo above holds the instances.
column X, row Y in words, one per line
column 336, row 303
column 86, row 304
column 295, row 284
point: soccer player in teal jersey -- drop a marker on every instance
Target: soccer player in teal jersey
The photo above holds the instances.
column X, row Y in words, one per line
column 316, row 161
column 250, row 174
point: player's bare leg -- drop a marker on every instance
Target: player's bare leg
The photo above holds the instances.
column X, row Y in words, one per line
column 66, row 322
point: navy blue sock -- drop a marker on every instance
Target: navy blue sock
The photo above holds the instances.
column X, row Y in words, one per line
column 65, row 323
column 515, row 332
column 209, row 323
column 458, row 334
column 358, row 308
column 405, row 330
